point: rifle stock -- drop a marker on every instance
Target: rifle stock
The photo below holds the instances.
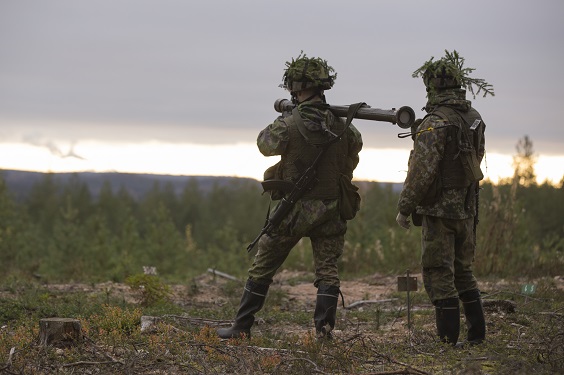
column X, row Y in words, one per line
column 282, row 209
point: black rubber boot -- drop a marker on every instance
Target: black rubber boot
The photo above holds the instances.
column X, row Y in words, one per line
column 251, row 302
column 474, row 313
column 326, row 310
column 447, row 315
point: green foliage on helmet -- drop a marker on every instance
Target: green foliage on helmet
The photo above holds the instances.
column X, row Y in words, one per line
column 449, row 72
column 306, row 72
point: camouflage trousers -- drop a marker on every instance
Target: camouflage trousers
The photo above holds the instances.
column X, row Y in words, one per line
column 448, row 248
column 273, row 251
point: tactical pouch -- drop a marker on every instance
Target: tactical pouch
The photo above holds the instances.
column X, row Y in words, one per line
column 417, row 219
column 468, row 157
column 434, row 192
column 471, row 166
column 274, row 184
column 349, row 200
column 271, row 173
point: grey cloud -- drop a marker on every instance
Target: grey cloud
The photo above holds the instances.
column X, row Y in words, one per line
column 208, row 71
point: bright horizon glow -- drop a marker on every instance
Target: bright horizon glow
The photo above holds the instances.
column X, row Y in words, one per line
column 238, row 160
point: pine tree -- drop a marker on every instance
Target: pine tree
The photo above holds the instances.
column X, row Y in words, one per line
column 524, row 162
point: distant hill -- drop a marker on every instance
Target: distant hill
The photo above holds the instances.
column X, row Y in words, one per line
column 20, row 183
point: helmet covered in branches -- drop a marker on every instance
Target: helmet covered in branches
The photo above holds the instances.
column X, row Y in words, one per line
column 449, row 73
column 308, row 72
column 440, row 75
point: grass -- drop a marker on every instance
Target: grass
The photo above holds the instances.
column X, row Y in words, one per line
column 372, row 339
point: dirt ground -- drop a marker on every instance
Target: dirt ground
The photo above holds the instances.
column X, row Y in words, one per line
column 297, row 286
column 296, row 289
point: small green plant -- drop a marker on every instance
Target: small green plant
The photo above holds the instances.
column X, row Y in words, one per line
column 153, row 290
column 117, row 320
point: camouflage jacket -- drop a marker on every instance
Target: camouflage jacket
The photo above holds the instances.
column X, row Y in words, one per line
column 309, row 217
column 424, row 168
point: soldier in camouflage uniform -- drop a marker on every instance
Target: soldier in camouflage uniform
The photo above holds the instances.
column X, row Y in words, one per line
column 317, row 214
column 440, row 191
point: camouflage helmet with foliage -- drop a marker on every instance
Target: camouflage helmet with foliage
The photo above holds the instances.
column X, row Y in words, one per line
column 306, row 72
column 448, row 73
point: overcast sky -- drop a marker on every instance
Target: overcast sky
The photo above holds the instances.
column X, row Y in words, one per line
column 208, row 71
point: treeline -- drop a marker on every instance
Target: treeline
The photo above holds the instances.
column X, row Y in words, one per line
column 63, row 234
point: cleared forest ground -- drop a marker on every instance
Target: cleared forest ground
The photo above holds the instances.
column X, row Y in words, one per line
column 525, row 330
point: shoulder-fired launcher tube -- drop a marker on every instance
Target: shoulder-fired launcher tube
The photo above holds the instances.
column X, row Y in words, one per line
column 403, row 117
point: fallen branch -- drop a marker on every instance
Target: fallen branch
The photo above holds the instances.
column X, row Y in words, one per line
column 148, row 322
column 99, row 349
column 5, row 370
column 199, row 321
column 550, row 313
column 276, row 350
column 316, row 368
column 407, row 368
column 12, row 351
column 9, row 361
column 87, row 363
column 222, row 274
column 406, row 371
column 367, row 302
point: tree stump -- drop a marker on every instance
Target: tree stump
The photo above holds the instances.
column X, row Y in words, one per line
column 148, row 324
column 59, row 332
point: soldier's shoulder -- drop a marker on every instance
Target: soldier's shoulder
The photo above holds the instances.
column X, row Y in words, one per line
column 433, row 120
column 282, row 122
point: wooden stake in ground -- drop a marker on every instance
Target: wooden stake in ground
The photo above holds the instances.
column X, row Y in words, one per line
column 59, row 332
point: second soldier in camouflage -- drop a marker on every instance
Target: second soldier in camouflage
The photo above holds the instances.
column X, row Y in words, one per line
column 441, row 190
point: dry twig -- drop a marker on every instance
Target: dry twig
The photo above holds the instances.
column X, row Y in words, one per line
column 88, row 363
column 222, row 274
column 367, row 302
column 316, row 368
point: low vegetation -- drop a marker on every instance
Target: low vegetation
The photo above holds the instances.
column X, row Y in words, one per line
column 62, row 234
column 525, row 333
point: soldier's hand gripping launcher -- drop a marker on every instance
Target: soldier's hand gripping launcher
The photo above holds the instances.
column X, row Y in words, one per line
column 403, row 117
